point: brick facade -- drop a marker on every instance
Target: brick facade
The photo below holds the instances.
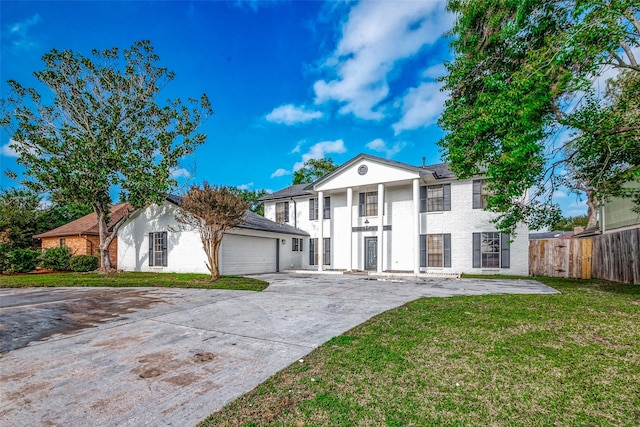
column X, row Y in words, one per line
column 83, row 245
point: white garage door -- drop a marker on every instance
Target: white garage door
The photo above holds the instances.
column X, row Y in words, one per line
column 247, row 255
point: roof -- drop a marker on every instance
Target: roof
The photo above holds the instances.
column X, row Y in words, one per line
column 253, row 221
column 88, row 224
column 550, row 235
column 288, row 192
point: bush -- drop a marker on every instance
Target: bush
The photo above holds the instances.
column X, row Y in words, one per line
column 21, row 260
column 56, row 258
column 82, row 263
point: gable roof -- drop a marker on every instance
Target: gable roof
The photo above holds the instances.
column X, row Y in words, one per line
column 253, row 221
column 288, row 192
column 88, row 224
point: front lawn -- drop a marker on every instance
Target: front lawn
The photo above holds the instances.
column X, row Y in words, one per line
column 569, row 359
column 163, row 280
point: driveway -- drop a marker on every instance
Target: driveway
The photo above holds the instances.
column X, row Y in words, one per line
column 147, row 356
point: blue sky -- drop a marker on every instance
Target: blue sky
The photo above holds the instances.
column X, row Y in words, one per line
column 288, row 80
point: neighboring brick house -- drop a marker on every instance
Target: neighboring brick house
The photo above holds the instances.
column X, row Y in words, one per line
column 82, row 236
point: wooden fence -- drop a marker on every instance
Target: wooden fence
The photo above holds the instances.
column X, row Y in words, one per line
column 612, row 256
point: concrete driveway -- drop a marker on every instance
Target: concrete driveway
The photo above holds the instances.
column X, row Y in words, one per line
column 146, row 356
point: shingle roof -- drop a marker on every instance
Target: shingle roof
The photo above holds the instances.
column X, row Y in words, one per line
column 253, row 221
column 288, row 192
column 88, row 224
column 440, row 170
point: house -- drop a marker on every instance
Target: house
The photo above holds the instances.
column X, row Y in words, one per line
column 618, row 213
column 379, row 215
column 82, row 236
column 152, row 240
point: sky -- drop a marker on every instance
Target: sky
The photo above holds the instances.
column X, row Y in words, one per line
column 288, row 80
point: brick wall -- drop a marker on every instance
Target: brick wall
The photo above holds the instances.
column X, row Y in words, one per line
column 83, row 245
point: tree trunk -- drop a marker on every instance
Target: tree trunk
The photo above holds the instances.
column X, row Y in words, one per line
column 592, row 209
column 105, row 239
column 215, row 270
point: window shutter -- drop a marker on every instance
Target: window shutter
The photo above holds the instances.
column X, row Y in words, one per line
column 312, row 215
column 300, row 244
column 150, row 249
column 164, row 248
column 423, row 250
column 361, row 197
column 312, row 250
column 327, row 208
column 505, row 256
column 477, row 194
column 327, row 251
column 447, row 250
column 476, row 250
column 423, row 199
column 286, row 211
column 446, row 191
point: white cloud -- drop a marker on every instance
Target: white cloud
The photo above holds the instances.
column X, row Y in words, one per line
column 18, row 33
column 375, row 38
column 421, row 106
column 245, row 186
column 291, row 115
column 320, row 150
column 180, row 173
column 380, row 146
column 280, row 172
column 298, row 146
column 7, row 150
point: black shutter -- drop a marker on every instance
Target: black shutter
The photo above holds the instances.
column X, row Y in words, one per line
column 312, row 250
column 477, row 255
column 300, row 244
column 505, row 258
column 312, row 215
column 446, row 192
column 150, row 249
column 447, row 250
column 164, row 248
column 286, row 211
column 423, row 250
column 361, row 204
column 327, row 208
column 327, row 251
column 423, row 199
column 477, row 194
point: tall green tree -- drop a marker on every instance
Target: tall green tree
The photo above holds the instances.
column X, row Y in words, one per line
column 103, row 131
column 313, row 169
column 252, row 198
column 211, row 210
column 522, row 93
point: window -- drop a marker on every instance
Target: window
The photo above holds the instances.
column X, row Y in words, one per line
column 282, row 212
column 480, row 193
column 435, row 198
column 368, row 204
column 313, row 251
column 313, row 208
column 491, row 250
column 158, row 249
column 435, row 250
column 63, row 242
column 296, row 245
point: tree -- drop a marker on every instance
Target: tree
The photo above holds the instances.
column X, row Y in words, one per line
column 212, row 210
column 20, row 211
column 312, row 170
column 103, row 131
column 251, row 197
column 522, row 93
column 570, row 223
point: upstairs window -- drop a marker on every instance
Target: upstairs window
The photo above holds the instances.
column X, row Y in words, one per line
column 313, row 209
column 282, row 212
column 480, row 193
column 368, row 204
column 435, row 198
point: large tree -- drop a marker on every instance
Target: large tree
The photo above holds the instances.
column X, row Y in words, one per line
column 212, row 211
column 252, row 198
column 524, row 103
column 312, row 170
column 103, row 130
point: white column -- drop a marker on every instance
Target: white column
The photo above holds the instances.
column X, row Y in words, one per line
column 380, row 225
column 320, row 247
column 416, row 226
column 349, row 233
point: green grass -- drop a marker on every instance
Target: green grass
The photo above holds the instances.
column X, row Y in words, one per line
column 163, row 280
column 566, row 359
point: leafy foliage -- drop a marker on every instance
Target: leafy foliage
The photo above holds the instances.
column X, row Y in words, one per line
column 251, row 197
column 312, row 170
column 83, row 263
column 570, row 223
column 20, row 260
column 212, row 210
column 56, row 258
column 103, row 130
column 517, row 84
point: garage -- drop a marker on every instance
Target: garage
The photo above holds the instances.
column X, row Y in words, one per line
column 248, row 254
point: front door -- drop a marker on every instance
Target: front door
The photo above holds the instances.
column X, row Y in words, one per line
column 370, row 253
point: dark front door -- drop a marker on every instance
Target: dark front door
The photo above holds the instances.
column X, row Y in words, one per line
column 370, row 253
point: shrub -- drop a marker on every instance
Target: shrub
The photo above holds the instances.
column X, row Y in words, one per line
column 56, row 258
column 82, row 263
column 21, row 260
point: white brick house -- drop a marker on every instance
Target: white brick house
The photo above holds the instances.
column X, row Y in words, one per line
column 385, row 216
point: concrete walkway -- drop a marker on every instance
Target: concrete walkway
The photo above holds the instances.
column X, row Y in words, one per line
column 170, row 357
